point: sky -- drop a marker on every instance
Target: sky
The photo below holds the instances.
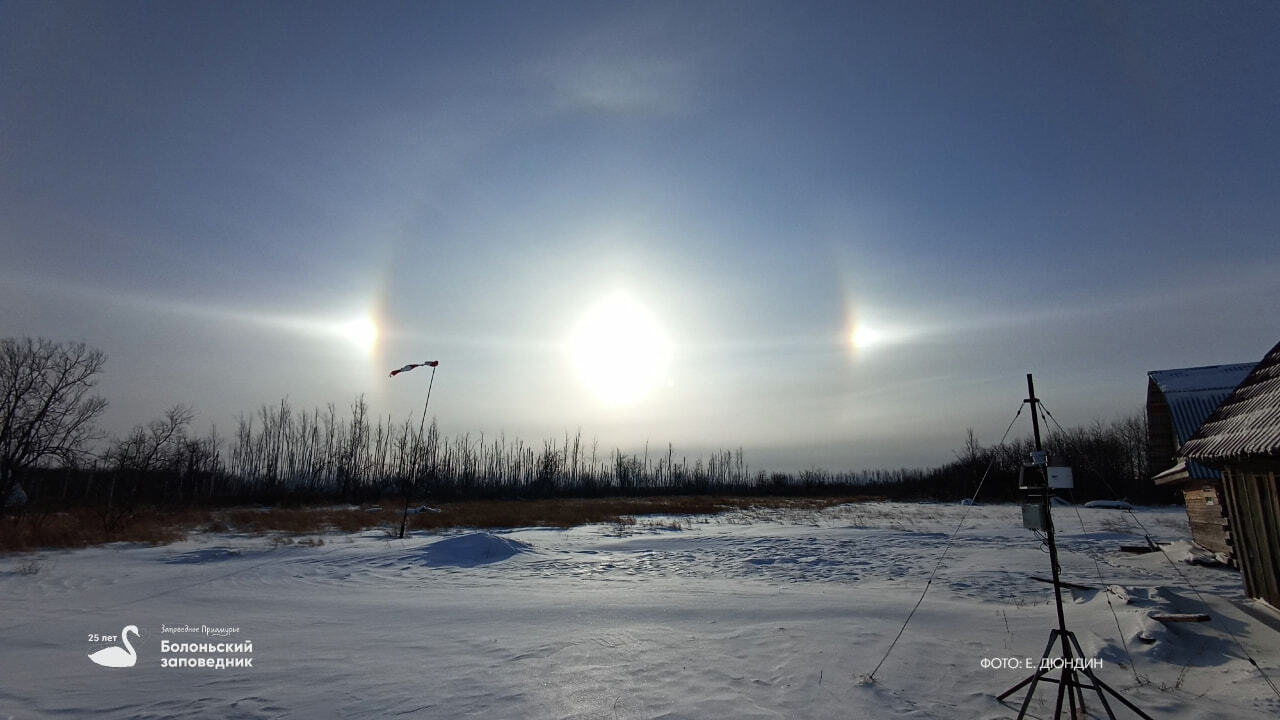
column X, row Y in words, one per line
column 835, row 235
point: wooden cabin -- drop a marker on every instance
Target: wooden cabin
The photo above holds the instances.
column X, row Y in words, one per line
column 1242, row 439
column 1178, row 402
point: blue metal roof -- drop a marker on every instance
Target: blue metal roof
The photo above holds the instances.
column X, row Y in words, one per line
column 1194, row 393
column 1207, row 377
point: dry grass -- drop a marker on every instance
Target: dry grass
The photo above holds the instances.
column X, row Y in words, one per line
column 85, row 527
column 300, row 521
column 82, row 528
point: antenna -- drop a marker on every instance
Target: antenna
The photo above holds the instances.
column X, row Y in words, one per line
column 1038, row 480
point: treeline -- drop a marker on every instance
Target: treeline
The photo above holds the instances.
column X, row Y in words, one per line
column 1108, row 461
column 279, row 454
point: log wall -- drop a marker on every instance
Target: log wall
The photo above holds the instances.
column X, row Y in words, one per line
column 1253, row 503
column 1208, row 519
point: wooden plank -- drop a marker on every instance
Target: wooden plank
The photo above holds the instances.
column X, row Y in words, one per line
column 1179, row 617
column 1274, row 516
column 1239, row 530
column 1265, row 581
column 1269, row 525
column 1249, row 534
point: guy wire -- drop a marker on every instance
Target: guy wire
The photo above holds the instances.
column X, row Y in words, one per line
column 871, row 677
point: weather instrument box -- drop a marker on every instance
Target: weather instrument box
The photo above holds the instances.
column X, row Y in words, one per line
column 1033, row 516
column 1038, row 478
column 1035, row 477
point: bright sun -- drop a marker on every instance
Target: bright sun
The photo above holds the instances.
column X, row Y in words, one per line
column 363, row 333
column 865, row 337
column 619, row 350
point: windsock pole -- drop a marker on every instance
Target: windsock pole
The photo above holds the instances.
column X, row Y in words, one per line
column 413, row 478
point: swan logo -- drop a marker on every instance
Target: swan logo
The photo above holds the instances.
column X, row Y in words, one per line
column 116, row 657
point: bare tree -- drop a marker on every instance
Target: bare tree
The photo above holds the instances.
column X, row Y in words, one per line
column 46, row 411
column 153, row 448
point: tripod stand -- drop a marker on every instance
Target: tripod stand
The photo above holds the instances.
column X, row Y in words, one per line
column 1072, row 663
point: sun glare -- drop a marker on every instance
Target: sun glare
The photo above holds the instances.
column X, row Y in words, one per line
column 363, row 333
column 619, row 350
column 880, row 335
column 864, row 337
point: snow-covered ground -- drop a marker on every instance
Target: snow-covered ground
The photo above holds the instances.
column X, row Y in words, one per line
column 756, row 614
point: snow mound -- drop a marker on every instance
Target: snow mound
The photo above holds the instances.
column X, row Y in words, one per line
column 473, row 549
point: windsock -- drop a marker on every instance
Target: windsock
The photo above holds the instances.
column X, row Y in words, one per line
column 407, row 368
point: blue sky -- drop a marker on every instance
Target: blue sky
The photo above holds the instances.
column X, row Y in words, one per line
column 713, row 196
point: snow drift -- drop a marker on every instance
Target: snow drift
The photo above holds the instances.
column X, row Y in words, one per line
column 472, row 549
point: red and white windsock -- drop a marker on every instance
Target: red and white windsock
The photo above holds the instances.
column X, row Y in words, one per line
column 407, row 368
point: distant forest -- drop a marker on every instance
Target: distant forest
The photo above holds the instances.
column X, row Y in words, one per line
column 52, row 456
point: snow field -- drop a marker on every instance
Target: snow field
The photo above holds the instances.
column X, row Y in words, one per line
column 756, row 614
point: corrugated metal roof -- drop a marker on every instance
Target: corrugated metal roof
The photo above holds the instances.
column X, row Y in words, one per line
column 1247, row 423
column 1192, row 394
column 1205, row 377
